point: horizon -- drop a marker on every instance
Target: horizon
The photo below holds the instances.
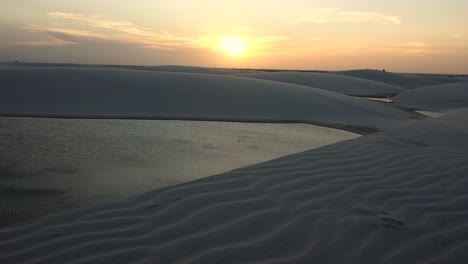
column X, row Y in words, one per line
column 425, row 37
column 227, row 68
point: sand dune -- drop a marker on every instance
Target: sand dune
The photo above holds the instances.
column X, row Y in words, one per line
column 93, row 92
column 447, row 78
column 392, row 197
column 43, row 64
column 193, row 69
column 164, row 68
column 437, row 98
column 398, row 79
column 335, row 83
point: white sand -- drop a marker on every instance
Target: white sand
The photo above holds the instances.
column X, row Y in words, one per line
column 377, row 99
column 94, row 92
column 430, row 114
column 437, row 98
column 392, row 197
column 398, row 79
column 330, row 82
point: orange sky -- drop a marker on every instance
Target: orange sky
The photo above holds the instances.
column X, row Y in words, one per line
column 402, row 36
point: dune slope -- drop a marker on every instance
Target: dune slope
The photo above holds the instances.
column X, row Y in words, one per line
column 437, row 98
column 92, row 92
column 398, row 79
column 393, row 197
column 342, row 84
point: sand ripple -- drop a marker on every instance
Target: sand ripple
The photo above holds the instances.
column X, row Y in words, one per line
column 394, row 197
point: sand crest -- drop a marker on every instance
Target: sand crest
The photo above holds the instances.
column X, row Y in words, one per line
column 398, row 79
column 113, row 93
column 437, row 98
column 330, row 82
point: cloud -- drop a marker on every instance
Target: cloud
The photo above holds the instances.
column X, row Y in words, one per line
column 417, row 44
column 127, row 30
column 340, row 15
column 412, row 48
column 50, row 41
column 315, row 39
column 458, row 36
column 79, row 36
column 99, row 28
column 69, row 31
column 421, row 48
column 204, row 29
column 269, row 39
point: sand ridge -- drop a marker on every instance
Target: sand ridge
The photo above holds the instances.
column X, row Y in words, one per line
column 330, row 82
column 398, row 79
column 394, row 197
column 436, row 98
column 116, row 93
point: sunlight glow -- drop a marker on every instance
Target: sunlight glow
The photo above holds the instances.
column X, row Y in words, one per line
column 232, row 45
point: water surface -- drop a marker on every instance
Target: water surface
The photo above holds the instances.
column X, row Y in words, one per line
column 52, row 165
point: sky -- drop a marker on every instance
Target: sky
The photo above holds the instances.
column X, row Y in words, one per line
column 429, row 36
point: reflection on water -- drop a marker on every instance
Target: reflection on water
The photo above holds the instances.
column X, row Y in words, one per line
column 52, row 165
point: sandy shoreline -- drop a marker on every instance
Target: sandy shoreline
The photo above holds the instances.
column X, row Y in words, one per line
column 374, row 199
column 54, row 165
column 349, row 128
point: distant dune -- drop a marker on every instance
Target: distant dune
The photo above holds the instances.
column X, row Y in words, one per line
column 335, row 83
column 398, row 79
column 437, row 98
column 393, row 197
column 163, row 68
column 192, row 69
column 116, row 93
column 44, row 64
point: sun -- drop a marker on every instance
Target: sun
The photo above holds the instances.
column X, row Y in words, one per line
column 232, row 45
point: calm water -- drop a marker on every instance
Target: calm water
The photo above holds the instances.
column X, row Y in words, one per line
column 53, row 165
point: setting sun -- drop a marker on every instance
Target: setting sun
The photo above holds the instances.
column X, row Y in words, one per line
column 232, row 45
